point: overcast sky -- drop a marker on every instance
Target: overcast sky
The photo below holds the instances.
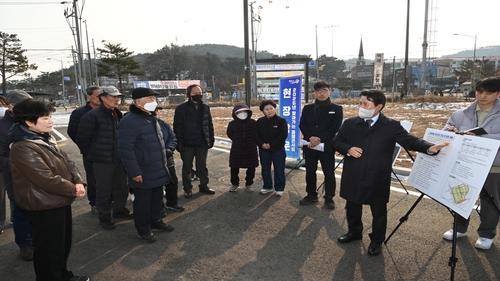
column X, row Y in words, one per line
column 287, row 26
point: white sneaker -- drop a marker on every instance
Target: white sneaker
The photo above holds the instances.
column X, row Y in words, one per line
column 266, row 191
column 249, row 188
column 279, row 193
column 484, row 243
column 233, row 188
column 448, row 235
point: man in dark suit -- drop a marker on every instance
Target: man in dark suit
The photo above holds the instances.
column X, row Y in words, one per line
column 319, row 123
column 367, row 142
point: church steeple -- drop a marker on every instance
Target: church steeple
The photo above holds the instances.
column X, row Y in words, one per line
column 361, row 56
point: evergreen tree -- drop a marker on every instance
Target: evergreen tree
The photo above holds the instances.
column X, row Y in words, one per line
column 12, row 58
column 116, row 61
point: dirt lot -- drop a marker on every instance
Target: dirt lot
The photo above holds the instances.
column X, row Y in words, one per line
column 424, row 112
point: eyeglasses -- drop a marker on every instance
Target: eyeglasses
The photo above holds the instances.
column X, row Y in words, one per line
column 322, row 91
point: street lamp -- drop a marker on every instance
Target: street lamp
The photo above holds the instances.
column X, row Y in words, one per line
column 317, row 66
column 473, row 59
column 62, row 75
column 332, row 26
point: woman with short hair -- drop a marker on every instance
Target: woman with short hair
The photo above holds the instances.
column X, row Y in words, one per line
column 45, row 183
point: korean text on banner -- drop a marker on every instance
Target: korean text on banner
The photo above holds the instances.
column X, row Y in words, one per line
column 290, row 106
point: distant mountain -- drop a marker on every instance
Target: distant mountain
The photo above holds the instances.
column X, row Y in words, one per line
column 491, row 51
column 227, row 51
column 223, row 51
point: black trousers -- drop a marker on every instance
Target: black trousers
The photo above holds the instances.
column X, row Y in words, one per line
column 147, row 207
column 89, row 172
column 327, row 160
column 354, row 213
column 111, row 182
column 250, row 175
column 52, row 234
column 171, row 188
column 188, row 155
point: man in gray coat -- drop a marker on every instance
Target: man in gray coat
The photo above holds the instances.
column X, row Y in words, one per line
column 485, row 113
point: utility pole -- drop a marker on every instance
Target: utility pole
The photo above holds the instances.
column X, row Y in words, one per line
column 247, row 53
column 424, row 47
column 88, row 53
column 62, row 81
column 95, row 64
column 254, row 49
column 317, row 62
column 405, row 83
column 393, row 76
column 82, row 81
column 252, row 57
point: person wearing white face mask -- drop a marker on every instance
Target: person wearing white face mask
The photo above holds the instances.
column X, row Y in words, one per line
column 243, row 152
column 367, row 142
column 144, row 146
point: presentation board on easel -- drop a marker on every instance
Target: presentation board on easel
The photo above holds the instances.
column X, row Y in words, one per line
column 456, row 175
column 407, row 125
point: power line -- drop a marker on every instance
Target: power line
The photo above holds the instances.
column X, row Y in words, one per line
column 47, row 50
column 29, row 3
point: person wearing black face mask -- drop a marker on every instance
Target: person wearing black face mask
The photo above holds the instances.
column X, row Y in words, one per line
column 194, row 130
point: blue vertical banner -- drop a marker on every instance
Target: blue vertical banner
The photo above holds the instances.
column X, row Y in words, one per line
column 289, row 108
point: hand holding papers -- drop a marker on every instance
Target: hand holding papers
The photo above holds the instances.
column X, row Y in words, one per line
column 319, row 147
column 477, row 131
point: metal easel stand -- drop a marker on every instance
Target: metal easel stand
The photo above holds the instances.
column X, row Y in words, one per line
column 296, row 165
column 453, row 259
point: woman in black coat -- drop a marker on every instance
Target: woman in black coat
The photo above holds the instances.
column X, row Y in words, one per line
column 243, row 152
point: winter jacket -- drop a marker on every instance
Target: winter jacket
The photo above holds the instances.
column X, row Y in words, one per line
column 465, row 119
column 142, row 145
column 74, row 120
column 272, row 130
column 193, row 127
column 97, row 135
column 170, row 150
column 367, row 179
column 42, row 175
column 323, row 126
column 6, row 123
column 243, row 153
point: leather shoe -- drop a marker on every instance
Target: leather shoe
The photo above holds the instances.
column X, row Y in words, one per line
column 162, row 226
column 349, row 236
column 207, row 190
column 374, row 249
column 188, row 193
column 329, row 202
column 148, row 237
column 27, row 253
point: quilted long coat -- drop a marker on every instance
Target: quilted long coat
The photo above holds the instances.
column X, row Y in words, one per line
column 243, row 152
